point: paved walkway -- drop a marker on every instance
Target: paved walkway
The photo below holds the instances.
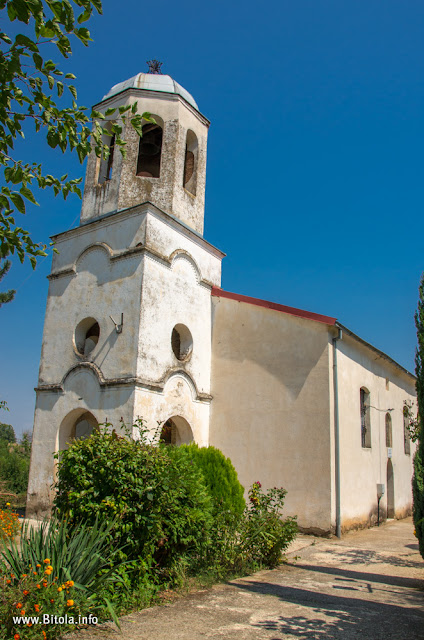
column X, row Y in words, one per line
column 369, row 585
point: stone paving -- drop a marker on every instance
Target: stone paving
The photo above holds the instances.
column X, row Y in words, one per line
column 368, row 585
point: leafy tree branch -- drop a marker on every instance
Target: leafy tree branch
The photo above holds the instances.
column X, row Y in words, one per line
column 32, row 86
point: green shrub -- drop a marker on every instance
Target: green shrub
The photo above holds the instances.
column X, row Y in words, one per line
column 418, row 500
column 155, row 495
column 14, row 467
column 220, row 478
column 265, row 534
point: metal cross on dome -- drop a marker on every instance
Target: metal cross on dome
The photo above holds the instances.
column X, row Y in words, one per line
column 154, row 66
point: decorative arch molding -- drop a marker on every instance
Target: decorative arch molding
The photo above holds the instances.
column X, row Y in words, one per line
column 93, row 247
column 180, row 373
column 181, row 254
column 104, row 383
column 90, row 366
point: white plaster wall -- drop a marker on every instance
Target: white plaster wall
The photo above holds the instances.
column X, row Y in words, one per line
column 177, row 400
column 170, row 297
column 82, row 392
column 166, row 237
column 362, row 468
column 270, row 411
column 99, row 288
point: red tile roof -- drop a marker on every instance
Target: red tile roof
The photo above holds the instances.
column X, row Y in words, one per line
column 300, row 313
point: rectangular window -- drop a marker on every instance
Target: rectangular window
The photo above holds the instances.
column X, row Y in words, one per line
column 365, row 419
column 406, row 440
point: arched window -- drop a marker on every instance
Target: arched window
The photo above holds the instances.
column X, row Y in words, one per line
column 106, row 163
column 388, row 430
column 365, row 418
column 406, row 439
column 190, row 163
column 149, row 151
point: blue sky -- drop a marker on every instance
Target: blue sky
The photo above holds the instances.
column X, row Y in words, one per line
column 315, row 159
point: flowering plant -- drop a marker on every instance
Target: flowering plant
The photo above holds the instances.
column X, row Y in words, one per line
column 9, row 523
column 26, row 601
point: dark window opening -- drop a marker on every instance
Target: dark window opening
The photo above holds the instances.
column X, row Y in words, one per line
column 365, row 419
column 87, row 335
column 188, row 166
column 388, row 430
column 168, row 433
column 190, row 163
column 181, row 342
column 106, row 164
column 406, row 439
column 149, row 151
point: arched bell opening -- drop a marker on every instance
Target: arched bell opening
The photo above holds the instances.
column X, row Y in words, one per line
column 105, row 166
column 150, row 151
column 176, row 431
column 190, row 163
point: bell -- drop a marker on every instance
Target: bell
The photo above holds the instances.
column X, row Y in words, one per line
column 149, row 148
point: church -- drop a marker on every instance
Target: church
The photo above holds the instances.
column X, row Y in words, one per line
column 137, row 324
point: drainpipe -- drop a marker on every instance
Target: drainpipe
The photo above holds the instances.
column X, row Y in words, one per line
column 337, row 433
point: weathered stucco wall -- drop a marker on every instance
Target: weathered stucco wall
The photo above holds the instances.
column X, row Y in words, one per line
column 362, row 468
column 56, row 414
column 126, row 189
column 270, row 410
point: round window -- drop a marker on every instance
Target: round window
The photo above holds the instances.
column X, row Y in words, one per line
column 181, row 342
column 87, row 335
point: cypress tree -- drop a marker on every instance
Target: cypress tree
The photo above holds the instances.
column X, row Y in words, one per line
column 418, row 479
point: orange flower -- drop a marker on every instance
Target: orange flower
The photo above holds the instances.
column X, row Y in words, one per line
column 26, row 592
column 25, row 575
column 29, row 624
column 37, row 607
column 50, row 568
column 38, row 566
column 51, row 600
column 70, row 583
column 44, row 634
column 69, row 603
column 22, row 612
column 19, row 605
column 46, row 561
column 60, row 589
column 8, row 581
column 38, row 586
column 34, row 572
column 45, row 584
column 16, row 636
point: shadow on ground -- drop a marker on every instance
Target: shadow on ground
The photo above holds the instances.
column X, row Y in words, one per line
column 350, row 574
column 338, row 617
column 368, row 556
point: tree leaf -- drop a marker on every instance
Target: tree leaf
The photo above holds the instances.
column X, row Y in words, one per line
column 18, row 202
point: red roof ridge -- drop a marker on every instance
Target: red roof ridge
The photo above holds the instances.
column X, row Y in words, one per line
column 300, row 313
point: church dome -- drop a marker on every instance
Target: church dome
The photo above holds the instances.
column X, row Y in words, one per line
column 153, row 82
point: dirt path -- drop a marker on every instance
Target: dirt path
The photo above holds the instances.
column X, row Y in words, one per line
column 369, row 585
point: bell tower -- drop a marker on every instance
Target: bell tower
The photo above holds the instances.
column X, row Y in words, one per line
column 127, row 330
column 166, row 166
